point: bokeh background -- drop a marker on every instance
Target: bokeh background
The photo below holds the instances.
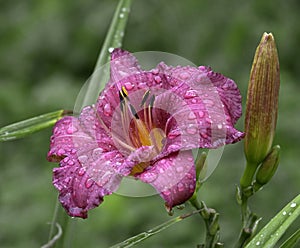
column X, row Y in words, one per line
column 48, row 50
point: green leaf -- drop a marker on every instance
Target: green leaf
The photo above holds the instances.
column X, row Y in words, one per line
column 292, row 241
column 144, row 235
column 271, row 233
column 23, row 128
column 114, row 39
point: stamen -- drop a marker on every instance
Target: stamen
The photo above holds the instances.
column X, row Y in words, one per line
column 150, row 109
column 145, row 97
column 133, row 111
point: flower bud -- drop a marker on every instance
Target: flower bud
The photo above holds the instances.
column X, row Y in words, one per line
column 262, row 101
column 268, row 167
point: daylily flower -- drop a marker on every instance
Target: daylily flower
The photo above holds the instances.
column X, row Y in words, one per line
column 144, row 125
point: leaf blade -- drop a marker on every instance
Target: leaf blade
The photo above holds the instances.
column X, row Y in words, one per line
column 23, row 128
column 270, row 233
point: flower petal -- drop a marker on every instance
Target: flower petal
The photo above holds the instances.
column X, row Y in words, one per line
column 90, row 166
column 174, row 177
column 82, row 187
column 122, row 65
column 226, row 87
column 199, row 108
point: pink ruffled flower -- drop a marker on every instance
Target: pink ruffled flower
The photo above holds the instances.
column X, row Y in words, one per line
column 144, row 125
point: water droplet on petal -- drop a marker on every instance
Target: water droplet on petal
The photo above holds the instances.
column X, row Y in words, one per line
column 184, row 75
column 190, row 159
column 71, row 130
column 97, row 153
column 107, row 109
column 157, row 79
column 201, row 114
column 191, row 129
column 166, row 193
column 180, row 187
column 81, row 171
column 190, row 94
column 70, row 162
column 191, row 116
column 128, row 86
column 219, row 126
column 67, row 180
column 179, row 169
column 89, row 182
column 208, row 102
column 61, row 152
column 149, row 177
column 82, row 159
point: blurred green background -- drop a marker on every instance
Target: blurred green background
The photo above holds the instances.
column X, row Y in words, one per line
column 48, row 49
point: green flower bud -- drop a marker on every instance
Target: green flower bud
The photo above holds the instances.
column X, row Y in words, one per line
column 262, row 101
column 268, row 167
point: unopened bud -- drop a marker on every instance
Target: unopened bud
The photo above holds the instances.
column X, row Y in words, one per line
column 262, row 101
column 268, row 167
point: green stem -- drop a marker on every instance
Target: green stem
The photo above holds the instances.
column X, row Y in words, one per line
column 249, row 219
column 248, row 175
column 210, row 217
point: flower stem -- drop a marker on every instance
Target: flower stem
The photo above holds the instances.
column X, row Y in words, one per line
column 210, row 217
column 248, row 175
column 249, row 219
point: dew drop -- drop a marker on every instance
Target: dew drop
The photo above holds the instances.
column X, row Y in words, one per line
column 180, row 187
column 67, row 180
column 190, row 159
column 71, row 130
column 66, row 159
column 191, row 116
column 208, row 102
column 82, row 159
column 81, row 171
column 190, row 94
column 208, row 120
column 128, row 86
column 257, row 243
column 284, row 213
column 191, row 129
column 293, row 204
column 111, row 49
column 184, row 75
column 219, row 126
column 121, row 15
column 70, row 162
column 61, row 152
column 96, row 153
column 150, row 177
column 67, row 121
column 166, row 193
column 107, row 109
column 179, row 169
column 201, row 114
column 89, row 182
column 157, row 79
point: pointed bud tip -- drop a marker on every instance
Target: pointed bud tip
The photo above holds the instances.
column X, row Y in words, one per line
column 267, row 37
